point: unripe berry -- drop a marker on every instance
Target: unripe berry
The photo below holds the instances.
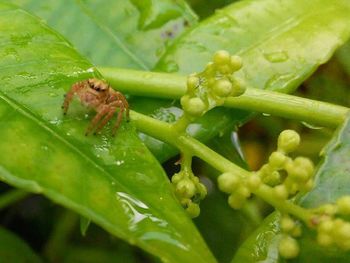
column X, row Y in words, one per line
column 239, row 87
column 277, row 160
column 186, row 188
column 253, row 182
column 343, row 204
column 236, row 63
column 222, row 88
column 324, row 240
column 194, row 107
column 193, row 210
column 306, row 164
column 287, row 224
column 236, row 201
column 288, row 141
column 192, row 83
column 221, row 57
column 288, row 247
column 299, row 174
column 243, row 192
column 228, row 182
column 281, row 192
column 296, row 232
column 326, row 226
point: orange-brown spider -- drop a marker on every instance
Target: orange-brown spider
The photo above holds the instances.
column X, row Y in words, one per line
column 98, row 95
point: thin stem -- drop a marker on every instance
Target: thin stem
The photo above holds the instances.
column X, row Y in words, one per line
column 164, row 85
column 11, row 197
column 186, row 143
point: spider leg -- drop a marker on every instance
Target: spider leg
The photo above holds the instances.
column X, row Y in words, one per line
column 119, row 119
column 107, row 117
column 102, row 112
column 70, row 94
column 117, row 96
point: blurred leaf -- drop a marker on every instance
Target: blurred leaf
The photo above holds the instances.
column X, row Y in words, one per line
column 101, row 177
column 205, row 8
column 15, row 250
column 123, row 33
column 343, row 56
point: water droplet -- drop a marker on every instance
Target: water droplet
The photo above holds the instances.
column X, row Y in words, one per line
column 277, row 56
column 311, row 126
column 53, row 94
column 280, row 81
column 266, row 114
column 68, row 134
column 118, row 162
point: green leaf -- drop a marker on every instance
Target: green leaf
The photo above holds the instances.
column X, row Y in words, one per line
column 262, row 244
column 122, row 33
column 15, row 250
column 114, row 181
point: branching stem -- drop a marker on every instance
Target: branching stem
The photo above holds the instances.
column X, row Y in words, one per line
column 172, row 86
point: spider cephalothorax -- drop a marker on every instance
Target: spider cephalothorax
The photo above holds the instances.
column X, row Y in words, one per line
column 98, row 95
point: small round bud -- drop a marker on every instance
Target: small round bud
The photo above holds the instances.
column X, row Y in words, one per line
column 194, row 107
column 326, row 226
column 288, row 247
column 186, row 188
column 221, row 57
column 253, row 182
column 344, row 231
column 296, row 232
column 281, row 192
column 239, row 87
column 210, row 69
column 202, row 190
column 228, row 182
column 306, row 164
column 277, row 160
column 287, row 224
column 299, row 174
column 192, row 83
column 225, row 69
column 343, row 204
column 324, row 240
column 329, row 209
column 243, row 192
column 273, row 179
column 288, row 141
column 193, row 210
column 236, row 201
column 222, row 88
column 176, row 178
column 308, row 186
column 236, row 63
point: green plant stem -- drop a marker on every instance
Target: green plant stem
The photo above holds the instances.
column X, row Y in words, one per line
column 11, row 197
column 186, row 143
column 57, row 242
column 172, row 86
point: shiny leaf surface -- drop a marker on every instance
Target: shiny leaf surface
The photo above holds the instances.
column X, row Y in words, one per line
column 114, row 181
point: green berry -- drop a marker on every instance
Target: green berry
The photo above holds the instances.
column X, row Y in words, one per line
column 193, row 210
column 192, row 83
column 186, row 188
column 225, row 69
column 326, row 226
column 277, row 160
column 287, row 224
column 222, row 88
column 281, row 192
column 306, row 164
column 299, row 174
column 228, row 182
column 288, row 141
column 324, row 240
column 239, row 87
column 296, row 232
column 243, row 192
column 236, row 63
column 221, row 57
column 288, row 247
column 194, row 107
column 236, row 201
column 343, row 204
column 253, row 182
column 176, row 178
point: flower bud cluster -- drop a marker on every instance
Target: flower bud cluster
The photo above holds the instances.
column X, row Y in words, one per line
column 288, row 245
column 332, row 231
column 189, row 191
column 211, row 87
column 238, row 188
column 286, row 175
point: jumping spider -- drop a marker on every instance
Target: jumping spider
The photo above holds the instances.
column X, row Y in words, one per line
column 98, row 95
